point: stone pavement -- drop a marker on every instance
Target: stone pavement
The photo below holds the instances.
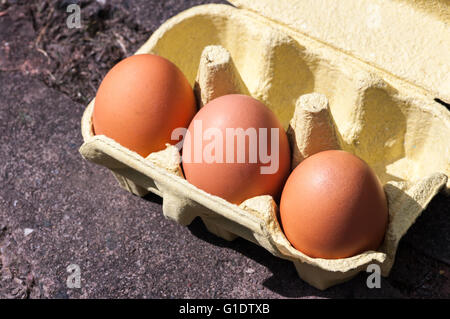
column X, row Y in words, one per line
column 57, row 209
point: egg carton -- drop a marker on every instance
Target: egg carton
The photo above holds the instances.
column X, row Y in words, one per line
column 324, row 98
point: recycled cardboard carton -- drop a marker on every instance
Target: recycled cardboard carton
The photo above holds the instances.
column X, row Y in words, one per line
column 368, row 77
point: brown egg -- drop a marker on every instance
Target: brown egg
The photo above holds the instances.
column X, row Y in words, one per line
column 236, row 148
column 141, row 101
column 333, row 206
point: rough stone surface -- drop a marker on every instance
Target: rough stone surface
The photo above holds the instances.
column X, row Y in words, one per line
column 57, row 209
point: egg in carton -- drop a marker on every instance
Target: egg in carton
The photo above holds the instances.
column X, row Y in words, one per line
column 325, row 100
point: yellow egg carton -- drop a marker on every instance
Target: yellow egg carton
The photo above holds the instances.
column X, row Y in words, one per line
column 327, row 92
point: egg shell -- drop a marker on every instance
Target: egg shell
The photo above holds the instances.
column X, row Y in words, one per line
column 141, row 101
column 233, row 180
column 333, row 206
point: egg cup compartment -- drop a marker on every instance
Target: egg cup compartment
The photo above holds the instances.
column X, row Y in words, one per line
column 400, row 133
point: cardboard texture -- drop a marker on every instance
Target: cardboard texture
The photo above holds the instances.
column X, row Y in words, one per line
column 325, row 99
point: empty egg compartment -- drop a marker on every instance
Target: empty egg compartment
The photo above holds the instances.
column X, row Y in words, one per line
column 221, row 50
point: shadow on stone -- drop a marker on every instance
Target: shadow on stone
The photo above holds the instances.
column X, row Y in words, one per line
column 285, row 280
column 151, row 197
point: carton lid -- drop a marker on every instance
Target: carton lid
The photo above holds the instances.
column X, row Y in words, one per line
column 409, row 39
